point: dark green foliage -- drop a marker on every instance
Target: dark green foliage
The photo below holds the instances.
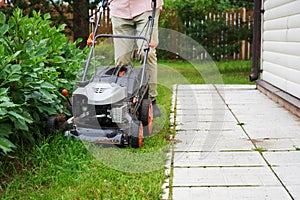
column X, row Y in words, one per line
column 74, row 14
column 210, row 23
column 36, row 61
column 235, row 4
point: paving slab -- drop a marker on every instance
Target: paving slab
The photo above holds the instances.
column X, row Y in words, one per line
column 286, row 158
column 235, row 87
column 209, row 118
column 210, row 125
column 196, row 87
column 202, row 141
column 277, row 144
column 199, row 112
column 218, row 159
column 226, row 117
column 224, row 176
column 231, row 193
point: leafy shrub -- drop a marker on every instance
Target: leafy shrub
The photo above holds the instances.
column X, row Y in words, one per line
column 36, row 61
column 205, row 22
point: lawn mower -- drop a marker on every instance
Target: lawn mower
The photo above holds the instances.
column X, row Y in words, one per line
column 112, row 106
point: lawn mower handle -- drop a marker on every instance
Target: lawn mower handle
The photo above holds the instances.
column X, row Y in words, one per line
column 123, row 36
column 101, row 7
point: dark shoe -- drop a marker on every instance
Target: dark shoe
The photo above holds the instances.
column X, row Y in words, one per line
column 156, row 111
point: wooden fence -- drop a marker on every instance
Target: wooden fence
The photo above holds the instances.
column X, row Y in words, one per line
column 239, row 19
column 225, row 36
column 105, row 22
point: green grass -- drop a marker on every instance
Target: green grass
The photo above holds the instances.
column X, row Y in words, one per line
column 227, row 72
column 60, row 168
column 260, row 150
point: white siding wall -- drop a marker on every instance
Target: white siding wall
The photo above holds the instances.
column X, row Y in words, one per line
column 281, row 45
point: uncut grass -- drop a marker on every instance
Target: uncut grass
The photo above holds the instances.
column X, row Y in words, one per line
column 61, row 168
column 58, row 168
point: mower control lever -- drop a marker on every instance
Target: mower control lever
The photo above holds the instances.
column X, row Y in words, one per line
column 66, row 94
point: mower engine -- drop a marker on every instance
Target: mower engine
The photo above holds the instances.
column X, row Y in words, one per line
column 104, row 108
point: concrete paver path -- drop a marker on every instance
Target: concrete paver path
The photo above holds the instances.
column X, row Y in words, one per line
column 232, row 142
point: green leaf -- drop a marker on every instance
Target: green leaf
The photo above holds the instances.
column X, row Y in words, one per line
column 6, row 145
column 33, row 95
column 16, row 54
column 62, row 27
column 47, row 16
column 4, row 99
column 3, row 112
column 5, row 130
column 1, row 49
column 59, row 59
column 8, row 105
column 3, row 29
column 42, row 52
column 46, row 94
column 29, row 46
column 13, row 69
column 3, row 91
column 12, row 72
column 49, row 110
column 21, row 125
column 19, row 121
column 47, row 85
column 14, row 77
column 2, row 18
column 21, row 117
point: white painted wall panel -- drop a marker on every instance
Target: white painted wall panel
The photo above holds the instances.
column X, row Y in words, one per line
column 275, row 24
column 294, row 21
column 291, row 48
column 283, row 23
column 275, row 69
column 293, row 35
column 288, row 9
column 272, row 4
column 289, row 61
column 277, row 35
column 275, row 80
column 293, row 88
column 292, row 75
column 283, row 35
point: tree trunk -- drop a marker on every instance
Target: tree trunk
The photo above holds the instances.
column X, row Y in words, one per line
column 81, row 21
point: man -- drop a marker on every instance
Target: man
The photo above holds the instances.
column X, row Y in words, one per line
column 129, row 17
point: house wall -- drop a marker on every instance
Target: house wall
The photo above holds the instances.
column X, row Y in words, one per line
column 281, row 45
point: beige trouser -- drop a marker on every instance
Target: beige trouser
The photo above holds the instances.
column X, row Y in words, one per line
column 123, row 47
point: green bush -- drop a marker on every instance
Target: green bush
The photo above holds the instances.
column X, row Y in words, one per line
column 36, row 61
column 205, row 22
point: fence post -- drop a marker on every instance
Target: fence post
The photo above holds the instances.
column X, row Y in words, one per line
column 243, row 49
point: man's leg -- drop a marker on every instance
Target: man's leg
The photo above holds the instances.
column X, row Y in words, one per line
column 123, row 47
column 152, row 58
